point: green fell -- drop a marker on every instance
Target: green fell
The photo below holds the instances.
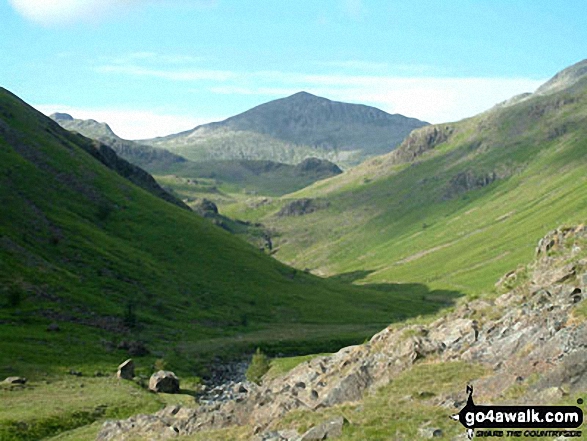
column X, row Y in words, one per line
column 454, row 207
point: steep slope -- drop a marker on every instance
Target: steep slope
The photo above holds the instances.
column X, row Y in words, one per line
column 293, row 128
column 454, row 206
column 144, row 156
column 525, row 347
column 84, row 249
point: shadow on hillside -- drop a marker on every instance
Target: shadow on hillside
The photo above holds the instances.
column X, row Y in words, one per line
column 351, row 276
column 419, row 296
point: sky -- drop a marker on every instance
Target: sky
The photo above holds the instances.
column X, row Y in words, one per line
column 155, row 67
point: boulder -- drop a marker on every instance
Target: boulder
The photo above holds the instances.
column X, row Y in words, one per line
column 164, row 381
column 126, row 370
column 15, row 380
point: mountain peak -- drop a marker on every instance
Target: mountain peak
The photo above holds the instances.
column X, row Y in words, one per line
column 304, row 95
column 58, row 116
column 564, row 79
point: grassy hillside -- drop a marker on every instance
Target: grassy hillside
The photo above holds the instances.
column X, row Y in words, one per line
column 455, row 206
column 88, row 250
column 244, row 177
column 292, row 129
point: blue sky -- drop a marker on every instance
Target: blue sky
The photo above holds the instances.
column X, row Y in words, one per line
column 155, row 67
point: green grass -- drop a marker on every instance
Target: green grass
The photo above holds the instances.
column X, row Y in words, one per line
column 84, row 248
column 410, row 223
column 46, row 407
column 281, row 366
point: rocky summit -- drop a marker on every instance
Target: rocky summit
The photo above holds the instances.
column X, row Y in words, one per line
column 294, row 128
column 532, row 335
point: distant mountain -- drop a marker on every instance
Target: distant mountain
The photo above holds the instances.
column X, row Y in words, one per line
column 456, row 205
column 294, row 128
column 149, row 158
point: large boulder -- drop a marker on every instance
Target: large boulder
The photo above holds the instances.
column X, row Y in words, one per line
column 126, row 370
column 15, row 380
column 164, row 381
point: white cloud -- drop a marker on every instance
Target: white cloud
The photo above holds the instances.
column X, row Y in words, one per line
column 432, row 99
column 131, row 123
column 59, row 12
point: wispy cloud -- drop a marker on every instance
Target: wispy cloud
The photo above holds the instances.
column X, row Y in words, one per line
column 59, row 12
column 132, row 123
column 431, row 98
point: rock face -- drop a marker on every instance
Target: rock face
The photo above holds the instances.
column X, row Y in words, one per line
column 126, row 370
column 420, row 141
column 206, row 208
column 530, row 331
column 466, row 181
column 299, row 207
column 164, row 381
column 327, row 430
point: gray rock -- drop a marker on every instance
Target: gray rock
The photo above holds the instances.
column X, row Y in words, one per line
column 430, row 432
column 281, row 435
column 126, row 370
column 15, row 380
column 327, row 430
column 164, row 381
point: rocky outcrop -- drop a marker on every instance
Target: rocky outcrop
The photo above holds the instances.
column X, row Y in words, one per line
column 527, row 332
column 206, row 208
column 317, row 166
column 468, row 180
column 420, row 141
column 300, row 207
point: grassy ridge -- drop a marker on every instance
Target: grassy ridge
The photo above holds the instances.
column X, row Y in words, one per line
column 458, row 216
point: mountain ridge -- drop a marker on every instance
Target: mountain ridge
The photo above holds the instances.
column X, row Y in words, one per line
column 312, row 125
column 141, row 155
